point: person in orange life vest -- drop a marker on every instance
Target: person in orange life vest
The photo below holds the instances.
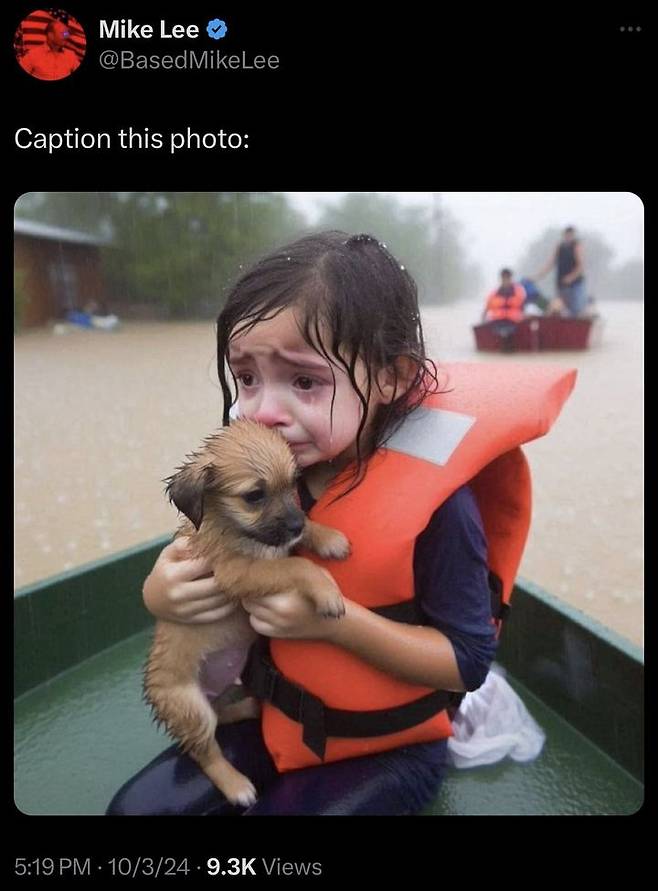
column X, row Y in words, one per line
column 568, row 258
column 323, row 340
column 53, row 59
column 506, row 302
column 504, row 306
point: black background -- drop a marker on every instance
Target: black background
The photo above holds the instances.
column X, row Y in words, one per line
column 412, row 97
column 364, row 98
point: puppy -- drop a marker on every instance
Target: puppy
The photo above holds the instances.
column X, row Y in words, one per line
column 238, row 493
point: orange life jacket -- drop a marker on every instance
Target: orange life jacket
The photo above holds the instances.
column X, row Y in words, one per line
column 469, row 435
column 499, row 307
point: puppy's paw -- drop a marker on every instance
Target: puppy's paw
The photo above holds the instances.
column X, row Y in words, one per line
column 333, row 545
column 332, row 607
column 239, row 790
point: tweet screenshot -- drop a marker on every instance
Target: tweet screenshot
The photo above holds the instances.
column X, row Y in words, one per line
column 328, row 355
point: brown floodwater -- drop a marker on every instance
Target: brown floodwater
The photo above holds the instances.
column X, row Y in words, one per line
column 101, row 418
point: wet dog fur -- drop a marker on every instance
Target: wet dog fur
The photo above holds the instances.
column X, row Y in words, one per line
column 239, row 496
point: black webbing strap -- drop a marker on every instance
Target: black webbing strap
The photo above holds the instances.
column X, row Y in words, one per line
column 409, row 612
column 499, row 610
column 266, row 682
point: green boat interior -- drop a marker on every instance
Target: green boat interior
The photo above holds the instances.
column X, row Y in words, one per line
column 81, row 727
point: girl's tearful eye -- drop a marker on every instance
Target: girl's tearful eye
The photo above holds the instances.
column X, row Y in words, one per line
column 245, row 378
column 305, row 383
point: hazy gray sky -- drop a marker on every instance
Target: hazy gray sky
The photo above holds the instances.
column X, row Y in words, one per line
column 497, row 226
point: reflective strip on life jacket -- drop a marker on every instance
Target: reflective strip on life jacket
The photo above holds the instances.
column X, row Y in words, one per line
column 431, row 434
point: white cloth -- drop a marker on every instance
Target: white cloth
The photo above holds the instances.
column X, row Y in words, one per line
column 104, row 322
column 492, row 723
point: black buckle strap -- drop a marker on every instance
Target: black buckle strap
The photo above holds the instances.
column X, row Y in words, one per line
column 312, row 717
column 270, row 678
column 320, row 722
column 499, row 609
column 406, row 611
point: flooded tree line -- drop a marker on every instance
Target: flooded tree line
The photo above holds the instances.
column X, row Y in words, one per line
column 173, row 255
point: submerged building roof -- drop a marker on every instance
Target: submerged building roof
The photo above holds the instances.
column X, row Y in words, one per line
column 57, row 233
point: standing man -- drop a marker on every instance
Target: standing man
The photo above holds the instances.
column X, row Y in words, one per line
column 569, row 260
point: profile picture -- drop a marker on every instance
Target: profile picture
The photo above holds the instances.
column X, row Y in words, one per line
column 49, row 44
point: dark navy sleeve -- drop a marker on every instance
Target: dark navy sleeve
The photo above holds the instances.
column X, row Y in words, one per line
column 452, row 587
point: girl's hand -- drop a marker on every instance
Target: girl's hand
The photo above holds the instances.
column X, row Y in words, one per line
column 183, row 589
column 289, row 615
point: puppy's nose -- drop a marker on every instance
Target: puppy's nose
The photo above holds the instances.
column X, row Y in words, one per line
column 294, row 522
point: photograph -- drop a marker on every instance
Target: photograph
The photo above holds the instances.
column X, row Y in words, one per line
column 328, row 503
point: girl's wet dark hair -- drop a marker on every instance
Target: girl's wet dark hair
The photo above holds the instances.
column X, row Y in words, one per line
column 366, row 302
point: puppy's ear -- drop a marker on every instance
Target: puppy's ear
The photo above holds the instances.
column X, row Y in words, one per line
column 186, row 489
